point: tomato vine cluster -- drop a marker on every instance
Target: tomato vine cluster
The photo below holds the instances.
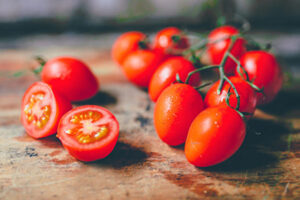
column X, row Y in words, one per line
column 88, row 132
column 212, row 129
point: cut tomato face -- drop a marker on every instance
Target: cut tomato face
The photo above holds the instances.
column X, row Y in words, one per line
column 42, row 108
column 89, row 132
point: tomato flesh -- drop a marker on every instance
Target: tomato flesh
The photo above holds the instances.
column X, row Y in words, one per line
column 89, row 132
column 42, row 108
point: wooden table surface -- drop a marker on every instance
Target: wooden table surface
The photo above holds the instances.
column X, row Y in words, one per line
column 141, row 166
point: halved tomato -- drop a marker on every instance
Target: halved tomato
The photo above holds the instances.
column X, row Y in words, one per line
column 42, row 108
column 89, row 132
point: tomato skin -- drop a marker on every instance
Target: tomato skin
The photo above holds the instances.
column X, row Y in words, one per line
column 70, row 77
column 140, row 65
column 163, row 41
column 165, row 75
column 214, row 136
column 248, row 97
column 265, row 72
column 175, row 110
column 92, row 151
column 59, row 106
column 126, row 44
column 217, row 50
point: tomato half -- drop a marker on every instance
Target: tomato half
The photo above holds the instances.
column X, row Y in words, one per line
column 88, row 132
column 42, row 108
column 214, row 136
column 170, row 40
column 140, row 65
column 126, row 44
column 264, row 71
column 70, row 77
column 175, row 110
column 165, row 75
column 248, row 98
column 218, row 44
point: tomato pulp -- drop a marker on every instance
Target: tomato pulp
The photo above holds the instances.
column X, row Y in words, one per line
column 89, row 132
column 42, row 108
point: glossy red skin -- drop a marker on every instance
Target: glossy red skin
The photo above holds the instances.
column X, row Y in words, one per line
column 70, row 77
column 248, row 98
column 214, row 136
column 165, row 75
column 126, row 44
column 140, row 65
column 217, row 50
column 265, row 72
column 92, row 151
column 163, row 41
column 59, row 106
column 175, row 110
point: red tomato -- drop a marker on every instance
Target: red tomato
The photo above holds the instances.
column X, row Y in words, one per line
column 216, row 50
column 140, row 65
column 264, row 71
column 165, row 41
column 248, row 98
column 126, row 44
column 214, row 136
column 88, row 132
column 175, row 110
column 42, row 108
column 70, row 77
column 165, row 75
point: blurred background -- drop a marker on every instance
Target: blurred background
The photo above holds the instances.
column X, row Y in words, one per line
column 36, row 24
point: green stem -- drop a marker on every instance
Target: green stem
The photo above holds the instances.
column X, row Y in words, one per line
column 239, row 67
column 198, row 70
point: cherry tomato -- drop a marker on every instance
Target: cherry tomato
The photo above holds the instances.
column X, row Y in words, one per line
column 42, row 108
column 88, row 132
column 264, row 71
column 170, row 40
column 175, row 110
column 70, row 77
column 248, row 98
column 214, row 136
column 126, row 44
column 140, row 65
column 165, row 75
column 217, row 46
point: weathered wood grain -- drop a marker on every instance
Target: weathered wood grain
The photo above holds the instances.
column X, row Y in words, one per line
column 141, row 166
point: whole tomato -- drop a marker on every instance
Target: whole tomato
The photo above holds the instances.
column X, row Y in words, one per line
column 71, row 78
column 175, row 110
column 165, row 75
column 140, row 65
column 126, row 44
column 218, row 44
column 214, row 136
column 248, row 98
column 170, row 40
column 264, row 71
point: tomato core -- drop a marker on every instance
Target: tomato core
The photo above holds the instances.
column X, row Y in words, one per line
column 85, row 127
column 35, row 112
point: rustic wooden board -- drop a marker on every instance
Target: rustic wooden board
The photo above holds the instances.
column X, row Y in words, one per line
column 141, row 166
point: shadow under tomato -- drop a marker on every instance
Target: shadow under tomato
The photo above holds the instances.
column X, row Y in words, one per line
column 284, row 103
column 123, row 155
column 265, row 140
column 102, row 98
